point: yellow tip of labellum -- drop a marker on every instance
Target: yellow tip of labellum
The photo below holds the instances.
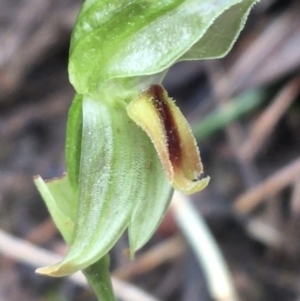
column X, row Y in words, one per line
column 161, row 119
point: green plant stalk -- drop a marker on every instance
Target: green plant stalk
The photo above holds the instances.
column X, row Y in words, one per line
column 98, row 277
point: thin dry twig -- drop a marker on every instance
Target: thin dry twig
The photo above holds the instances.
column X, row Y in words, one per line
column 42, row 233
column 234, row 131
column 21, row 27
column 52, row 107
column 265, row 232
column 268, row 188
column 25, row 252
column 266, row 123
column 168, row 250
column 21, row 54
column 205, row 248
column 274, row 38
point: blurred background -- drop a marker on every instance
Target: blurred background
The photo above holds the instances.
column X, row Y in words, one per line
column 245, row 114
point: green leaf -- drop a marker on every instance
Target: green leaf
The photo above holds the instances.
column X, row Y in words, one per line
column 61, row 202
column 114, row 180
column 122, row 39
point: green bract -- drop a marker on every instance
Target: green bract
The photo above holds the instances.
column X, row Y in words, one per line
column 115, row 178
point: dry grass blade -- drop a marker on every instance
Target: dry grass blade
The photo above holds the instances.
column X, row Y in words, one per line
column 272, row 54
column 25, row 252
column 270, row 187
column 52, row 107
column 167, row 250
column 20, row 54
column 266, row 123
column 264, row 232
column 14, row 36
column 42, row 233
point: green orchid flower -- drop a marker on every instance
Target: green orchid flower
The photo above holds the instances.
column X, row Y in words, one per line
column 128, row 145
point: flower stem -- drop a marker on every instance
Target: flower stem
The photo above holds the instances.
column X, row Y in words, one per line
column 99, row 279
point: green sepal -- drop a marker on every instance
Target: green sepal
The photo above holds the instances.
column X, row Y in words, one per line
column 222, row 34
column 73, row 140
column 61, row 202
column 114, row 182
column 115, row 39
column 148, row 213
